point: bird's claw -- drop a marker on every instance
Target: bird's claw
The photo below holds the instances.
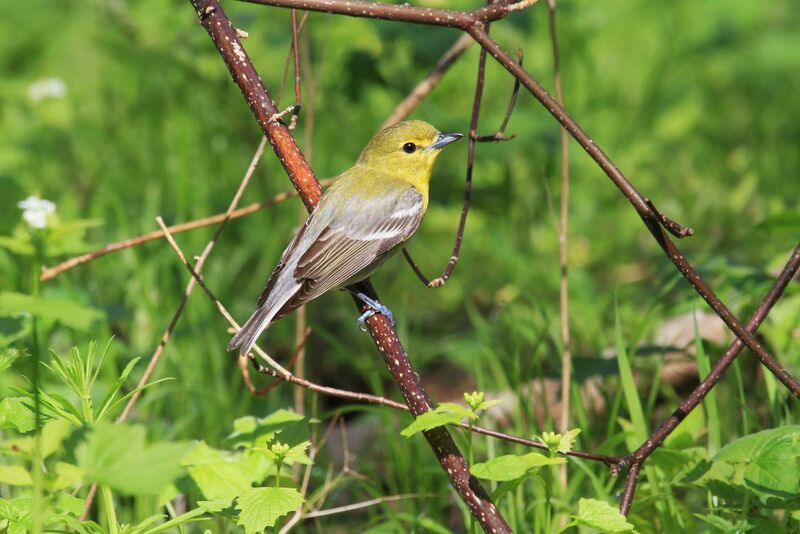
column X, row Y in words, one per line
column 374, row 307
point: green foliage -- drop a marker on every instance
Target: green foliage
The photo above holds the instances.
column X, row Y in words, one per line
column 118, row 456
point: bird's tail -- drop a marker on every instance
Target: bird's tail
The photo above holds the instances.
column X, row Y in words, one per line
column 247, row 335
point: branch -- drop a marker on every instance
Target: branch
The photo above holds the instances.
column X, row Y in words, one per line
column 216, row 23
column 404, row 12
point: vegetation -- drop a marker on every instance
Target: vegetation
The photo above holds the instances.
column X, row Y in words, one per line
column 118, row 112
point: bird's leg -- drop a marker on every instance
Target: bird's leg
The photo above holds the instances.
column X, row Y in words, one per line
column 374, row 307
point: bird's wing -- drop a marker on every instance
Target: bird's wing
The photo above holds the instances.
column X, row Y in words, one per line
column 354, row 241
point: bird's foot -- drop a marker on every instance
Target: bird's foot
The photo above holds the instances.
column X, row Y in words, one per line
column 374, row 307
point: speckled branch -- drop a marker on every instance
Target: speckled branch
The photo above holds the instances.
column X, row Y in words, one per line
column 224, row 35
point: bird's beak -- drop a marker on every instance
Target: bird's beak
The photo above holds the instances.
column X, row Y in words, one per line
column 442, row 140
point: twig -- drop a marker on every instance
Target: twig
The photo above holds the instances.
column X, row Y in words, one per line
column 563, row 235
column 630, row 490
column 258, row 392
column 500, row 135
column 678, row 230
column 219, row 27
column 362, row 504
column 52, row 272
column 424, row 88
column 404, row 12
column 298, row 101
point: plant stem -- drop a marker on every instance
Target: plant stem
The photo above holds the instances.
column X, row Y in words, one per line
column 471, row 463
column 108, row 505
column 38, row 482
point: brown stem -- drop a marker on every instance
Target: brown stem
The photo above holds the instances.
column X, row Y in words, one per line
column 630, row 489
column 404, row 12
column 216, row 23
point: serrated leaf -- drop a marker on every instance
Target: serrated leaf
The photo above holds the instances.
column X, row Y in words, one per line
column 568, row 440
column 117, row 455
column 512, row 466
column 601, row 516
column 260, row 508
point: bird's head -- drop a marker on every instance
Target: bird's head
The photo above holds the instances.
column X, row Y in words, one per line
column 407, row 149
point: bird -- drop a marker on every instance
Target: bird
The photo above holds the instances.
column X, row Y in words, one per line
column 361, row 220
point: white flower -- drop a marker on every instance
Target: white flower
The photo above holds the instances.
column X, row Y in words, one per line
column 47, row 88
column 36, row 210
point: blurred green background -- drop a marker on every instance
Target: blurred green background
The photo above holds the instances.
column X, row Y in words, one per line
column 122, row 111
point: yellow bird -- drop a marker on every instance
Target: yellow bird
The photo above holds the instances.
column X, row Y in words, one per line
column 366, row 215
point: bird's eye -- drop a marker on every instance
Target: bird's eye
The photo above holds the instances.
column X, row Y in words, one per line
column 409, row 148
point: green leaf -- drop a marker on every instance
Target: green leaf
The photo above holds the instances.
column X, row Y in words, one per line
column 69, row 504
column 600, row 515
column 724, row 525
column 512, row 466
column 67, row 312
column 766, row 462
column 220, row 476
column 214, row 506
column 252, row 432
column 14, row 414
column 568, row 440
column 67, row 476
column 259, row 508
column 485, row 405
column 297, row 454
column 430, row 419
column 7, row 357
column 117, row 455
column 15, row 475
column 452, row 407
